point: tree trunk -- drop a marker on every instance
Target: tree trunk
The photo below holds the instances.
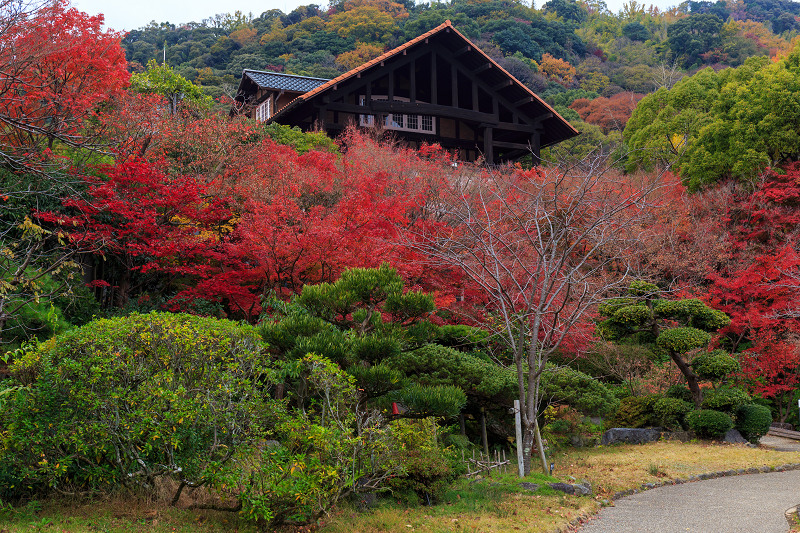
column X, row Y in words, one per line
column 528, row 440
column 691, row 379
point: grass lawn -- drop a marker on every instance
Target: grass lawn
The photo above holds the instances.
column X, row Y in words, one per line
column 488, row 505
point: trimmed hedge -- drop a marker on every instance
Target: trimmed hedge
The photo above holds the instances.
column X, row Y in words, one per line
column 709, row 424
column 753, row 421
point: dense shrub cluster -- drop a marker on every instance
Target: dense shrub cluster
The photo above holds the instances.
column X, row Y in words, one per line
column 708, row 423
column 126, row 400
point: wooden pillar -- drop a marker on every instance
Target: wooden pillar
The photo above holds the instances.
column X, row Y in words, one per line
column 484, row 436
column 434, row 83
column 454, row 84
column 412, row 94
column 475, row 106
column 488, row 145
column 390, row 91
column 536, row 146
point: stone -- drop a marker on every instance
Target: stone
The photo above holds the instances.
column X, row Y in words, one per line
column 582, row 489
column 563, row 487
column 630, row 435
column 734, row 437
column 529, row 486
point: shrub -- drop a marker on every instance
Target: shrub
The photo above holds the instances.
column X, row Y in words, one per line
column 753, row 421
column 725, row 399
column 428, row 468
column 670, row 412
column 127, row 400
column 636, row 412
column 709, row 424
column 715, row 365
column 681, row 392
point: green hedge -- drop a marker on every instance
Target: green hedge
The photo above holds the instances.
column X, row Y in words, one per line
column 709, row 424
column 753, row 421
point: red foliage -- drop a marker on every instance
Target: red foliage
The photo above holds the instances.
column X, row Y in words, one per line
column 760, row 286
column 148, row 221
column 608, row 113
column 58, row 66
column 289, row 219
column 772, row 367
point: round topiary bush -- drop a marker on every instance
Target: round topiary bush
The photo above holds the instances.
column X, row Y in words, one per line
column 709, row 424
column 753, row 421
column 725, row 399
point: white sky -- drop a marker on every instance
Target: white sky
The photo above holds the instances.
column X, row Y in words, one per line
column 132, row 14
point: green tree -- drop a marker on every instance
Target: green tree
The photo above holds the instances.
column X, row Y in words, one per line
column 361, row 321
column 163, row 80
column 690, row 37
column 675, row 328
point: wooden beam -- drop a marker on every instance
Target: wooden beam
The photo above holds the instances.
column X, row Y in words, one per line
column 522, row 101
column 482, row 68
column 503, row 84
column 513, row 146
column 462, row 51
column 414, row 108
column 543, row 116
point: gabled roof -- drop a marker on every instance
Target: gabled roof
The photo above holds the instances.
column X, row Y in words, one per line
column 283, row 82
column 556, row 127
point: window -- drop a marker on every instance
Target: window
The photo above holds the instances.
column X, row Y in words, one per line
column 264, row 111
column 397, row 121
column 427, row 123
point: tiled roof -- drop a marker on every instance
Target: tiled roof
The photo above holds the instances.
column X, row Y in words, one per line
column 284, row 82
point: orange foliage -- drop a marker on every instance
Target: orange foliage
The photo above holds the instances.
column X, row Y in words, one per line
column 244, row 36
column 396, row 10
column 363, row 53
column 608, row 113
column 556, row 69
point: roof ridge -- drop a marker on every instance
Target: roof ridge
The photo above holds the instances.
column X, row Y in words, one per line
column 283, row 74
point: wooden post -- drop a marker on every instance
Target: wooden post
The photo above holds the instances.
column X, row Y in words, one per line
column 454, row 84
column 412, row 95
column 518, row 423
column 484, row 438
column 488, row 146
column 434, row 82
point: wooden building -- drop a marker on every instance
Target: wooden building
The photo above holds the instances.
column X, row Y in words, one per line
column 438, row 87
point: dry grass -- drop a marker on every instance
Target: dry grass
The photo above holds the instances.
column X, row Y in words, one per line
column 490, row 506
column 616, row 468
column 608, row 469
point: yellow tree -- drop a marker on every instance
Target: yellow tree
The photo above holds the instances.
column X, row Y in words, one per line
column 363, row 53
column 366, row 24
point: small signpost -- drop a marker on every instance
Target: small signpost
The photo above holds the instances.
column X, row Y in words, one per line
column 518, row 424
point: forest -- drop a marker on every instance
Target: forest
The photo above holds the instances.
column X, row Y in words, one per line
column 277, row 319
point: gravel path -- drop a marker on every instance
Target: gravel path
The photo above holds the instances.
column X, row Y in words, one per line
column 752, row 503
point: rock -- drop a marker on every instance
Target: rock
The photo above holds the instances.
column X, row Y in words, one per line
column 630, row 435
column 734, row 437
column 529, row 486
column 581, row 489
column 563, row 487
column 365, row 500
